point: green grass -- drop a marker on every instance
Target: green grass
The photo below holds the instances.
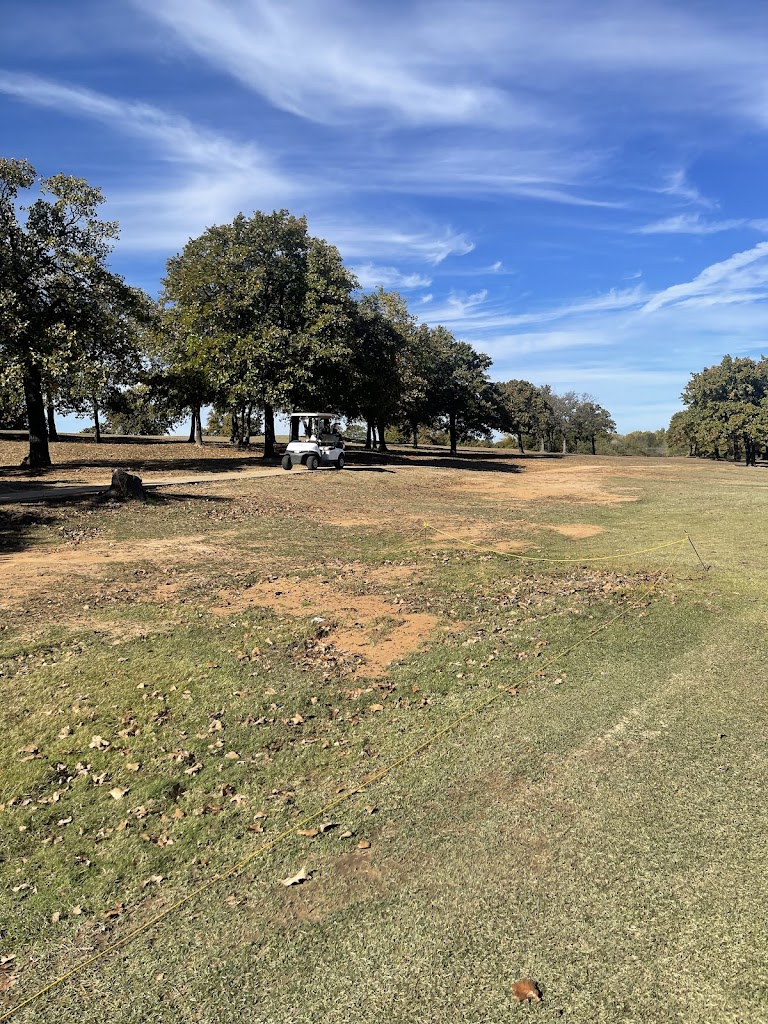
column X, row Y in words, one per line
column 602, row 830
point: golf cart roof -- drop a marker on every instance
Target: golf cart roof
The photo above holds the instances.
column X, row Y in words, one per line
column 318, row 415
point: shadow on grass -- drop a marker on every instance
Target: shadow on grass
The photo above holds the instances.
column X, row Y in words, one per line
column 18, row 528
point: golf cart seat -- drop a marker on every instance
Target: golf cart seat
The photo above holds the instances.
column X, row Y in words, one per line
column 334, row 440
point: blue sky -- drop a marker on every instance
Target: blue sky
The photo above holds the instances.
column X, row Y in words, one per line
column 576, row 189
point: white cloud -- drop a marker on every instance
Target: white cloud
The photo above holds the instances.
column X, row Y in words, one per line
column 371, row 276
column 678, row 185
column 689, row 224
column 363, row 240
column 325, row 62
column 742, row 277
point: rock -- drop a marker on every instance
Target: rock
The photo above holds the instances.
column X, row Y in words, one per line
column 126, row 487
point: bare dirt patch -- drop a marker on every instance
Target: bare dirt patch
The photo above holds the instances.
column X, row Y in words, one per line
column 369, row 629
column 561, row 481
column 27, row 572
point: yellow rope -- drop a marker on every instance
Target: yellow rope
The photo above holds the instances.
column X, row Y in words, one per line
column 332, row 804
column 547, row 558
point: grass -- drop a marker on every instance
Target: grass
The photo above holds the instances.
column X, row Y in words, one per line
column 601, row 830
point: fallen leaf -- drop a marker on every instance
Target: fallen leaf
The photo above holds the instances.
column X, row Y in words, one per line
column 526, row 990
column 56, row 917
column 119, row 792
column 346, row 835
column 370, row 809
column 310, row 833
column 297, row 879
column 376, row 707
column 193, row 768
column 98, row 743
column 77, row 911
column 363, row 845
column 31, row 749
column 133, row 766
column 64, row 821
column 232, row 755
column 152, row 880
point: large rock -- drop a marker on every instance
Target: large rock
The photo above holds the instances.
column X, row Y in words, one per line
column 126, row 487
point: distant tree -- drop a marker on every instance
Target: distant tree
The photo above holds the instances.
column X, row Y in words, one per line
column 591, row 421
column 463, row 391
column 53, row 281
column 382, row 330
column 680, row 434
column 523, row 409
column 728, row 408
column 137, row 411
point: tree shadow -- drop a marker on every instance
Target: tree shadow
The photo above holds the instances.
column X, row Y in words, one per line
column 19, row 526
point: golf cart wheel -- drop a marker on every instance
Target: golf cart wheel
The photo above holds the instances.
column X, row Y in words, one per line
column 312, row 462
column 286, row 462
column 340, row 462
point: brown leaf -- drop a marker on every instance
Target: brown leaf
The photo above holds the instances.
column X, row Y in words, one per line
column 526, row 990
column 297, row 879
column 31, row 749
column 133, row 766
column 376, row 707
column 119, row 792
column 310, row 833
column 98, row 743
column 152, row 880
column 363, row 845
column 370, row 809
column 346, row 835
column 232, row 755
column 193, row 768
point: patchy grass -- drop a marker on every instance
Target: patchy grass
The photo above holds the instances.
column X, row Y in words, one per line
column 599, row 827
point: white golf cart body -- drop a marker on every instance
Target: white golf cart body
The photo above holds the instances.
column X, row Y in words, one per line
column 322, row 443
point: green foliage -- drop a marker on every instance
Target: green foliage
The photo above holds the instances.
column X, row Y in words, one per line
column 60, row 306
column 727, row 410
column 137, row 411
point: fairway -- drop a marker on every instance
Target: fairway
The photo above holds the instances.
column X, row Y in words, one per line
column 186, row 680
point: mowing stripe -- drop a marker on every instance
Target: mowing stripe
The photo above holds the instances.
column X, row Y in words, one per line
column 348, row 794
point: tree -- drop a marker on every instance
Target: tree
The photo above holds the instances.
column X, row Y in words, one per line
column 591, row 421
column 52, row 264
column 728, row 408
column 523, row 409
column 383, row 327
column 463, row 390
column 264, row 311
column 13, row 411
column 137, row 411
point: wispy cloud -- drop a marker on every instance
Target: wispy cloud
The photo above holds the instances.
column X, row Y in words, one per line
column 371, row 276
column 678, row 186
column 742, row 277
column 324, row 62
column 359, row 239
column 689, row 224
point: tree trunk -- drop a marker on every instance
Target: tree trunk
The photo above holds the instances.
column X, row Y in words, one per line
column 592, row 439
column 520, row 443
column 717, row 454
column 542, row 447
column 53, row 434
column 452, row 431
column 565, row 450
column 269, row 432
column 192, row 422
column 382, row 440
column 39, row 454
column 415, row 433
column 198, row 428
column 248, row 425
column 96, row 424
column 368, row 433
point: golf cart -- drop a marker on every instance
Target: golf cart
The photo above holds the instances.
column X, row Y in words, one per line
column 322, row 443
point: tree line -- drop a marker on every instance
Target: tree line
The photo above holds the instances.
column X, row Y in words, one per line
column 254, row 317
column 726, row 414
